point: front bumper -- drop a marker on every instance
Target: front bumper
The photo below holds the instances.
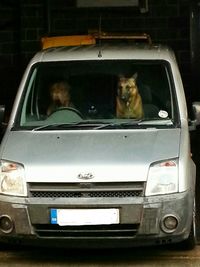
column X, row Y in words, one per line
column 140, row 221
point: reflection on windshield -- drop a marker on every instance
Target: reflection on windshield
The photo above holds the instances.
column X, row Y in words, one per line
column 109, row 91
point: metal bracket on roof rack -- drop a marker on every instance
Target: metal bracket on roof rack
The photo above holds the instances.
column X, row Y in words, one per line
column 137, row 37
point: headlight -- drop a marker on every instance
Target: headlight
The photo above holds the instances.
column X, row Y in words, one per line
column 162, row 178
column 12, row 180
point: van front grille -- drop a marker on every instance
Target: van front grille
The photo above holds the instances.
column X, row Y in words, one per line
column 85, row 190
column 95, row 231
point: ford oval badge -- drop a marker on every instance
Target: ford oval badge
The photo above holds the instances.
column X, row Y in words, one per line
column 85, row 176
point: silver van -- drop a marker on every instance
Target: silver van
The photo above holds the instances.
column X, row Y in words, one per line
column 97, row 150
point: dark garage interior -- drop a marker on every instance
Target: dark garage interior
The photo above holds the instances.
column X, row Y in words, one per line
column 23, row 23
column 174, row 23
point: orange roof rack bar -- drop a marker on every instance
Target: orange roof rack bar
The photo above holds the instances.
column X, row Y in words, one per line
column 72, row 40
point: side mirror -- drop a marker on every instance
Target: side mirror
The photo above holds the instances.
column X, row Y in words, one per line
column 2, row 124
column 2, row 113
column 196, row 112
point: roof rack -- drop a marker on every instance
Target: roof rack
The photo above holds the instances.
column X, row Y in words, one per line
column 122, row 36
column 73, row 40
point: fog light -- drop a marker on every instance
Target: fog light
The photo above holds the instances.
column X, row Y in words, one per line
column 169, row 223
column 6, row 224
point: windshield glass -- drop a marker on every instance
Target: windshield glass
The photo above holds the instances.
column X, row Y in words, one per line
column 97, row 92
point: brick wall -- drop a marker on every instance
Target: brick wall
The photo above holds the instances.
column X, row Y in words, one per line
column 9, row 47
column 23, row 22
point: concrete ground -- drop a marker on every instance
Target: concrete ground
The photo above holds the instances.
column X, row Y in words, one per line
column 110, row 258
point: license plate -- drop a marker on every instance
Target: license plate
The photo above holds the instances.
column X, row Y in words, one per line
column 66, row 217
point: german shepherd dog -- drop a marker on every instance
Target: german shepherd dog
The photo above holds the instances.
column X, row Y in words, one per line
column 60, row 96
column 129, row 101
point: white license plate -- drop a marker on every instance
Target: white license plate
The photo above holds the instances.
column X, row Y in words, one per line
column 64, row 217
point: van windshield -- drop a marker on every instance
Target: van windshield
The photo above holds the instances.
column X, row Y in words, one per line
column 98, row 92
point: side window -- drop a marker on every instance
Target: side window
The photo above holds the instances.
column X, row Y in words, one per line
column 29, row 110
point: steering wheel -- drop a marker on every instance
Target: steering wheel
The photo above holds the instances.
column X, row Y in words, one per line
column 68, row 109
column 65, row 114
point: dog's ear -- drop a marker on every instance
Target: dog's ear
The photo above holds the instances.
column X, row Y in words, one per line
column 121, row 76
column 135, row 76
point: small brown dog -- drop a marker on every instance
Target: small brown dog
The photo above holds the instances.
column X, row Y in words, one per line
column 60, row 96
column 129, row 101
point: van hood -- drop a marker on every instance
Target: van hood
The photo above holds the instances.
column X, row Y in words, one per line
column 100, row 156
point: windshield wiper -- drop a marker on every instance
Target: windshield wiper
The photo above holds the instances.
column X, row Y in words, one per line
column 143, row 123
column 150, row 123
column 117, row 125
column 81, row 124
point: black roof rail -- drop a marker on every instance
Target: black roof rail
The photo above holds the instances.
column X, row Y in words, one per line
column 137, row 37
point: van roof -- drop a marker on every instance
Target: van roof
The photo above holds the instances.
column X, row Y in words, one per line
column 100, row 46
column 104, row 51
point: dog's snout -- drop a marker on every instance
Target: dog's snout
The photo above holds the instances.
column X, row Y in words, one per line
column 125, row 96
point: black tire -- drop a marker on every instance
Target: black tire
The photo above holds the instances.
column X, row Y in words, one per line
column 190, row 242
